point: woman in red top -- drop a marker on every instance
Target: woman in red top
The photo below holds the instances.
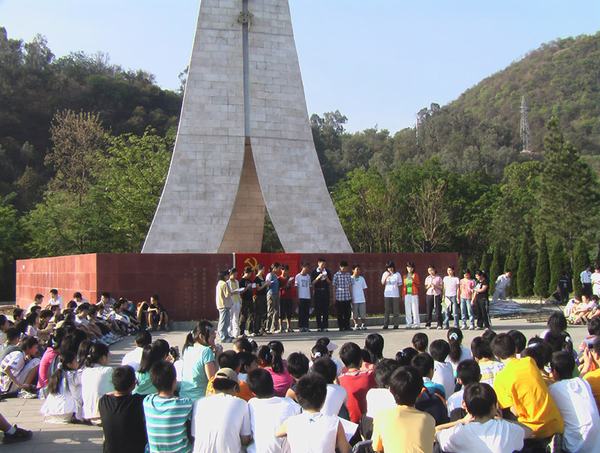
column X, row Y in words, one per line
column 410, row 291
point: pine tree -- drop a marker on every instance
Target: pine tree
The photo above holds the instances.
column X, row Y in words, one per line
column 558, row 264
column 485, row 262
column 581, row 259
column 524, row 274
column 496, row 266
column 542, row 270
column 512, row 264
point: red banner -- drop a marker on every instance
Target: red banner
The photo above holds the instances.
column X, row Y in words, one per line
column 292, row 260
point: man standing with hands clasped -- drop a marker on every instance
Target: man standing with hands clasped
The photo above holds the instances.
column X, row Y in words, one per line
column 321, row 279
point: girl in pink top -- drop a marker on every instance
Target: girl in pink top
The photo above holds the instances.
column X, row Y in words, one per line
column 466, row 294
column 270, row 358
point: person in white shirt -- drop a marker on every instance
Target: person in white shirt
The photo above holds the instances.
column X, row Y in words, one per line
column 359, row 302
column 442, row 370
column 480, row 431
column 302, row 281
column 467, row 373
column 312, row 431
column 595, row 280
column 391, row 281
column 502, row 284
column 133, row 358
column 267, row 413
column 38, row 300
column 96, row 380
column 221, row 422
column 586, row 281
column 55, row 299
column 380, row 398
column 458, row 352
column 336, row 394
column 576, row 404
column 451, row 284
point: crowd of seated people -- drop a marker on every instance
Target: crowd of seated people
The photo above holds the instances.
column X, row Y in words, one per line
column 502, row 392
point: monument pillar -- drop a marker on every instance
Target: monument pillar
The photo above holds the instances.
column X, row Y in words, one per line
column 244, row 142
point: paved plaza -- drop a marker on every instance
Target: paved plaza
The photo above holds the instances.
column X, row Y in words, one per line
column 49, row 438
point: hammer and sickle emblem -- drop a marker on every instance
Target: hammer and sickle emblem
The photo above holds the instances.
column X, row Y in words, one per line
column 251, row 262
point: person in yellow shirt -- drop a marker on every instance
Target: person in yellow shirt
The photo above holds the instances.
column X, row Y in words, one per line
column 521, row 389
column 231, row 359
column 404, row 428
column 591, row 361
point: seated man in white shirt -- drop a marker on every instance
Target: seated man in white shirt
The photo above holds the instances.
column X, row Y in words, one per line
column 381, row 398
column 576, row 404
column 481, row 430
column 443, row 373
column 467, row 373
column 133, row 358
column 336, row 394
column 55, row 299
column 267, row 413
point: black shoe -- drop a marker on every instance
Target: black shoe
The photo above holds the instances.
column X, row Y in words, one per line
column 20, row 435
column 385, row 327
column 395, row 327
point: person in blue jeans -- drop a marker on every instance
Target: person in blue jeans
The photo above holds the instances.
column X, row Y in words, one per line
column 465, row 294
column 451, row 289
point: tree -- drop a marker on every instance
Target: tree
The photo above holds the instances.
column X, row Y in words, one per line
column 581, row 259
column 512, row 264
column 429, row 211
column 10, row 240
column 542, row 270
column 496, row 265
column 485, row 262
column 524, row 274
column 559, row 263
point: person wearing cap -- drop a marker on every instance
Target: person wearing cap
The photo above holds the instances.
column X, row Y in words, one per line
column 223, row 299
column 391, row 281
column 221, row 422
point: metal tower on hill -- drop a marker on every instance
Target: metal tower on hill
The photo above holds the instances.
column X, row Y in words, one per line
column 524, row 127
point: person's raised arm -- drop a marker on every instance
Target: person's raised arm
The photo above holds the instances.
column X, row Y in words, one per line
column 384, row 278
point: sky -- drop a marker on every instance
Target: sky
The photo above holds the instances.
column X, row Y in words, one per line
column 377, row 61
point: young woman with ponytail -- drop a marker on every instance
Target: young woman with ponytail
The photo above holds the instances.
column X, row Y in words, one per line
column 458, row 352
column 199, row 365
column 64, row 403
column 96, row 380
column 153, row 353
column 270, row 357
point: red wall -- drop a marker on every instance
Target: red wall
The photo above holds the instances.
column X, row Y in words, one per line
column 186, row 282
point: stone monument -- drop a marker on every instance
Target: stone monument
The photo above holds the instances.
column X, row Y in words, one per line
column 244, row 142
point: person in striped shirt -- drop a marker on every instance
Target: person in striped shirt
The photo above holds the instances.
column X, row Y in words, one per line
column 167, row 416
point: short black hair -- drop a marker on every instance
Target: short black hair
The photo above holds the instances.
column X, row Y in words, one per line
column 406, row 383
column 540, row 352
column 503, row 346
column 423, row 362
column 439, row 350
column 243, row 344
column 54, row 291
column 311, row 391
column 297, row 364
column 420, row 341
column 593, row 326
column 27, row 342
column 351, row 355
column 229, row 359
column 163, row 375
column 481, row 349
column 383, row 371
column 12, row 334
column 595, row 346
column 519, row 339
column 563, row 364
column 260, row 382
column 326, row 368
column 246, row 359
column 143, row 338
column 17, row 313
column 405, row 356
column 343, row 263
column 123, row 378
column 468, row 372
column 488, row 335
column 480, row 399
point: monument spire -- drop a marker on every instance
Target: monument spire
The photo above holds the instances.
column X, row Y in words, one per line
column 244, row 142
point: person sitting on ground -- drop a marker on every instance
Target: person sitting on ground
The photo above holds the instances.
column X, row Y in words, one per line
column 355, row 381
column 374, row 344
column 313, row 431
column 331, row 346
column 198, row 360
column 590, row 369
column 420, row 342
column 154, row 353
column 248, row 362
column 167, row 416
column 481, row 430
column 270, row 358
column 96, row 380
column 12, row 433
column 431, row 399
column 483, row 355
column 404, row 428
column 122, row 415
column 576, row 404
column 141, row 313
column 267, row 413
column 443, row 373
column 425, row 363
column 521, row 390
column 381, row 398
column 335, row 401
column 520, row 341
column 64, row 402
column 221, row 422
column 541, row 353
column 19, row 369
column 12, row 342
column 242, row 344
column 467, row 373
column 230, row 359
column 404, row 357
column 593, row 328
column 18, row 315
column 457, row 352
column 298, row 366
column 158, row 317
column 134, row 358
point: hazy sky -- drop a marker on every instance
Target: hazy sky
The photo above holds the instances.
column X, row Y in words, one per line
column 377, row 61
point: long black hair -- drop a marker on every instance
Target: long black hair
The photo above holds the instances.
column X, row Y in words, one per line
column 55, row 381
column 95, row 353
column 153, row 353
column 201, row 332
column 455, row 338
column 271, row 355
column 374, row 344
